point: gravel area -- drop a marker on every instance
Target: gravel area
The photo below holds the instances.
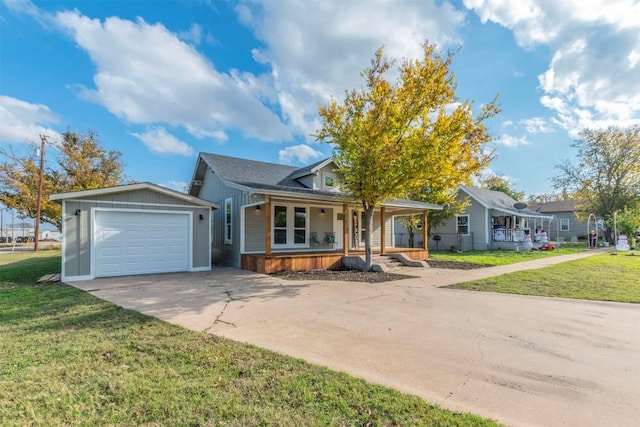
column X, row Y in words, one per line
column 368, row 276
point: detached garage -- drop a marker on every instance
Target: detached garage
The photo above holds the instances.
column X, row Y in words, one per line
column 133, row 229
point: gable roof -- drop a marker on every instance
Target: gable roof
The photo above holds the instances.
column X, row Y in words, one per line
column 308, row 170
column 249, row 172
column 499, row 201
column 555, row 206
column 80, row 194
column 276, row 179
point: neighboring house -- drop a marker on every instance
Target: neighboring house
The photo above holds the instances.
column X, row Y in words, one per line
column 133, row 229
column 276, row 217
column 564, row 223
column 491, row 220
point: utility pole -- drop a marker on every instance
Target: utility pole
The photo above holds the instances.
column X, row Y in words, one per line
column 43, row 140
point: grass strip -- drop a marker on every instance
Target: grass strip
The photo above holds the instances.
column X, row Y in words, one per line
column 602, row 277
column 505, row 256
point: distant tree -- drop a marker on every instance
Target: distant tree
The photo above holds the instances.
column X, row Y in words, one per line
column 548, row 197
column 406, row 137
column 606, row 177
column 492, row 181
column 628, row 221
column 81, row 164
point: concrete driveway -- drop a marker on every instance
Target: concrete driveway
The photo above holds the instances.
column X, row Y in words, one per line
column 517, row 359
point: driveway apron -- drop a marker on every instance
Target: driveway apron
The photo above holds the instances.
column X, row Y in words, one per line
column 521, row 360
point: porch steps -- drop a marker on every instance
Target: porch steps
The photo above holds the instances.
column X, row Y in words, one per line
column 393, row 262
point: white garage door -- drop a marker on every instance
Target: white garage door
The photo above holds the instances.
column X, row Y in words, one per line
column 140, row 243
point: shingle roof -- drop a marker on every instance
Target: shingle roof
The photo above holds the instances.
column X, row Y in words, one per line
column 555, row 206
column 498, row 200
column 248, row 172
column 272, row 177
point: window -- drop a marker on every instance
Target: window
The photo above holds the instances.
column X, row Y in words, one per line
column 289, row 225
column 228, row 209
column 462, row 224
column 300, row 225
column 280, row 225
column 564, row 224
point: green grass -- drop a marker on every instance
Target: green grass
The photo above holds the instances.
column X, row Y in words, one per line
column 68, row 358
column 602, row 277
column 503, row 257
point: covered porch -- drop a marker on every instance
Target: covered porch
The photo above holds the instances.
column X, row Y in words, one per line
column 511, row 229
column 287, row 234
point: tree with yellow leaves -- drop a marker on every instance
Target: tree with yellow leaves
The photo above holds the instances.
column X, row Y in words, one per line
column 406, row 138
column 82, row 164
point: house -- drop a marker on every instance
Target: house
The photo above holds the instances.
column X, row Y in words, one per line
column 565, row 224
column 133, row 229
column 277, row 217
column 491, row 220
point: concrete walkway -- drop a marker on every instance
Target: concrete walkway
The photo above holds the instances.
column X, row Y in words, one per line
column 524, row 361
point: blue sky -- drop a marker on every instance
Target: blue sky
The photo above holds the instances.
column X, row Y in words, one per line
column 162, row 80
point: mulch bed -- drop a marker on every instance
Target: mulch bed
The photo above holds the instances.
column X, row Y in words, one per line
column 368, row 276
column 341, row 276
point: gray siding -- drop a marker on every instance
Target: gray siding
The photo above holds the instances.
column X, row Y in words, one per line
column 78, row 228
column 228, row 253
column 576, row 228
column 478, row 225
column 77, row 243
column 215, row 190
column 254, row 238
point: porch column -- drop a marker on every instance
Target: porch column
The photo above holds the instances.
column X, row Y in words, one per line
column 424, row 230
column 382, row 233
column 345, row 229
column 267, row 227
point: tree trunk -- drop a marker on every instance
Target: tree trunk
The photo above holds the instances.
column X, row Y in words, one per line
column 368, row 227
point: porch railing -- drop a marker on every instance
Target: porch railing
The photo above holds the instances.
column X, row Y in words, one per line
column 508, row 235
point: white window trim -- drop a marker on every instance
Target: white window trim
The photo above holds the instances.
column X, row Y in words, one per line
column 468, row 225
column 228, row 237
column 290, row 226
column 564, row 221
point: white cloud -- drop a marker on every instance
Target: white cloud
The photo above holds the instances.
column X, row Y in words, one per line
column 21, row 121
column 299, row 154
column 317, row 48
column 160, row 79
column 595, row 64
column 160, row 141
column 489, row 173
column 193, row 35
column 536, row 125
column 511, row 141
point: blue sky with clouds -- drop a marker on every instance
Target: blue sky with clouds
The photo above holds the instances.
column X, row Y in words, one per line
column 162, row 80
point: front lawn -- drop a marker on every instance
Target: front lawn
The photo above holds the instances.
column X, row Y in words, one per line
column 503, row 257
column 603, row 277
column 68, row 358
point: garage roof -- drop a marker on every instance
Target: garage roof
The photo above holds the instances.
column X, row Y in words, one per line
column 132, row 187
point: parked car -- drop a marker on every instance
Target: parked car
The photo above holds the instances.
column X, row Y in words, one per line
column 3, row 239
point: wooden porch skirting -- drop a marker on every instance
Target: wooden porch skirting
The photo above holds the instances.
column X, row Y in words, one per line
column 260, row 263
